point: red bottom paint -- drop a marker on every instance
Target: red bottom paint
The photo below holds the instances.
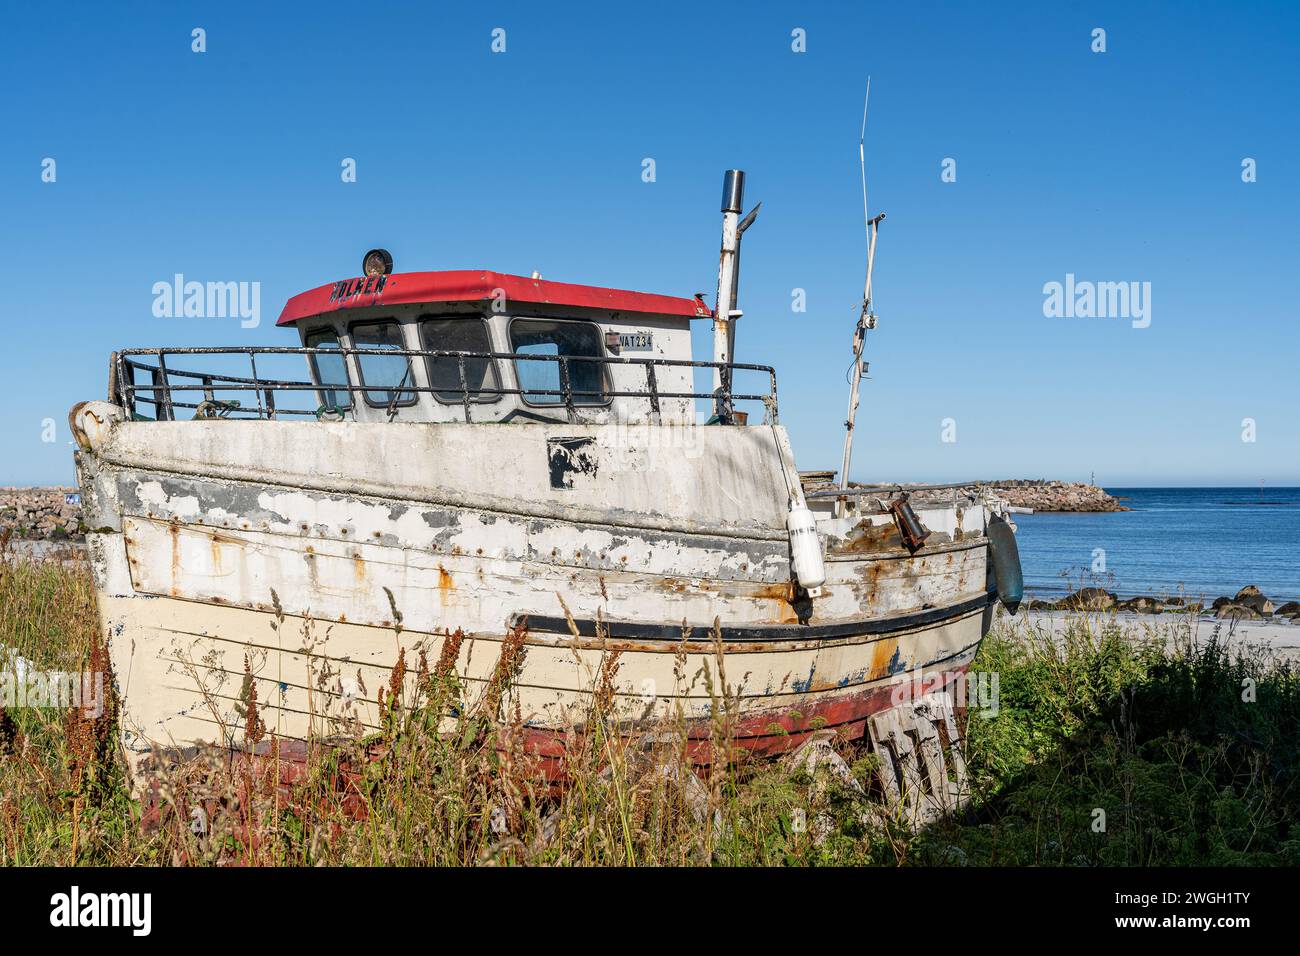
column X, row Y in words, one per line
column 284, row 766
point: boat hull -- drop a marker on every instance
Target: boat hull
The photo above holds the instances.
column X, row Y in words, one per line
column 181, row 676
column 306, row 558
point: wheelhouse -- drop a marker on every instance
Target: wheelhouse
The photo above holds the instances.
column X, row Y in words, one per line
column 462, row 347
column 484, row 346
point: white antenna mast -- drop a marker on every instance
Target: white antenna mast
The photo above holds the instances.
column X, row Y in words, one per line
column 866, row 317
column 862, row 163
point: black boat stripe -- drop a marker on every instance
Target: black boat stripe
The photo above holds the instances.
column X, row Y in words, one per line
column 634, row 630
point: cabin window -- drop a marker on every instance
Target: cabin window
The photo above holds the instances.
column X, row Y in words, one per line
column 389, row 372
column 330, row 370
column 547, row 337
column 442, row 334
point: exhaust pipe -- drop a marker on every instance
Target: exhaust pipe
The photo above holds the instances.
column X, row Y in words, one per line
column 733, row 199
column 733, row 191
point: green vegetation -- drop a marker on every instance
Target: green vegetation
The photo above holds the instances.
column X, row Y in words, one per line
column 1190, row 752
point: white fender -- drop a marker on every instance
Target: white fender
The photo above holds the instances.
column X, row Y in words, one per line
column 805, row 547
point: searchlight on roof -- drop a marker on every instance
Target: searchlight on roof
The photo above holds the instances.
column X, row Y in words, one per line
column 377, row 262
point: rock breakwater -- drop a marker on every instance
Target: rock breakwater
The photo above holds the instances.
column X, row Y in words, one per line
column 43, row 513
column 1056, row 495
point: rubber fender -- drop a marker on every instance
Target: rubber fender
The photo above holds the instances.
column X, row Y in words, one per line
column 1005, row 557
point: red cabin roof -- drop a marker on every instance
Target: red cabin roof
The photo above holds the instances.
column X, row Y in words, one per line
column 407, row 288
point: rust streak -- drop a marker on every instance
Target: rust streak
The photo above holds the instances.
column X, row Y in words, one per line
column 882, row 652
column 445, row 585
column 174, row 530
column 782, row 596
column 868, row 537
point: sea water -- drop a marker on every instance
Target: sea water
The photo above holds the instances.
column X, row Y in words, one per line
column 1200, row 542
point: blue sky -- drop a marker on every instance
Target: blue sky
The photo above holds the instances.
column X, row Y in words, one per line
column 1115, row 166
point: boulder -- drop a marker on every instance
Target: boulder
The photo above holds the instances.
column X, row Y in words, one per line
column 1238, row 612
column 1252, row 597
column 1141, row 605
column 1089, row 599
column 1289, row 609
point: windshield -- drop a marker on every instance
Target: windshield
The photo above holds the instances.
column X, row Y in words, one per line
column 390, row 372
column 330, row 370
column 459, row 334
column 546, row 337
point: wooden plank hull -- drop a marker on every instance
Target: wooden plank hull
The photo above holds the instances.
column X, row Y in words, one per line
column 293, row 551
column 182, row 673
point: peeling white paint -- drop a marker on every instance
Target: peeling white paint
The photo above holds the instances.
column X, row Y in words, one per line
column 466, row 527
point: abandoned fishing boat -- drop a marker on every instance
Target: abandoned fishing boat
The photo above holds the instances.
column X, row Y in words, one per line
column 503, row 455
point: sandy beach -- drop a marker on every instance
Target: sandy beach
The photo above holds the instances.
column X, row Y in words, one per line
column 1279, row 637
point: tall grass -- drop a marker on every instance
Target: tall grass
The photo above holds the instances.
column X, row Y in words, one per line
column 1154, row 734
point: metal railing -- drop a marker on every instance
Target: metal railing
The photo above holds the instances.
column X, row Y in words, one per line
column 164, row 381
